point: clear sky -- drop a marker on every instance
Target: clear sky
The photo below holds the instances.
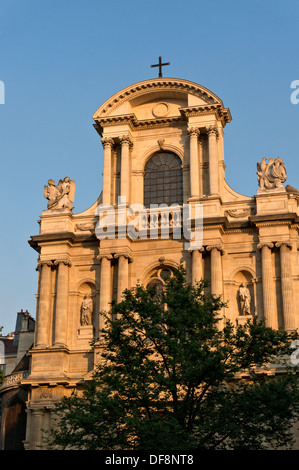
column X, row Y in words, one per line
column 60, row 60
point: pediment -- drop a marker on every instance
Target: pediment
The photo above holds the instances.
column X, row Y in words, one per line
column 157, row 97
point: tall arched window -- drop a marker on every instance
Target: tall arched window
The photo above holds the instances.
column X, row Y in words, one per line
column 163, row 180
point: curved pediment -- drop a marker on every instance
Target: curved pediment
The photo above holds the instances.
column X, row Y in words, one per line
column 183, row 94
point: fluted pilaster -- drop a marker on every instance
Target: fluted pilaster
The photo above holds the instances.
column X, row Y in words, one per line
column 126, row 144
column 61, row 310
column 107, row 169
column 44, row 304
column 270, row 315
column 216, row 269
column 123, row 273
column 286, row 280
column 194, row 163
column 105, row 282
column 197, row 266
column 213, row 161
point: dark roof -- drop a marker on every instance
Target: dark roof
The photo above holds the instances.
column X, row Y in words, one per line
column 9, row 346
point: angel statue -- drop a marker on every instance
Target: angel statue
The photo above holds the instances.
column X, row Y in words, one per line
column 60, row 196
column 271, row 175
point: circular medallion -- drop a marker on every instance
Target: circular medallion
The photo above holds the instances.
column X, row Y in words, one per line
column 160, row 110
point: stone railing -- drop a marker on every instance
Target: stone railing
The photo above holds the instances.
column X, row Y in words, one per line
column 14, row 379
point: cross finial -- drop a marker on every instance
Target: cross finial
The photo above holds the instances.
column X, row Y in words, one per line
column 160, row 65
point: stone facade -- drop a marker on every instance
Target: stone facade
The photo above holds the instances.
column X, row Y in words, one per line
column 249, row 251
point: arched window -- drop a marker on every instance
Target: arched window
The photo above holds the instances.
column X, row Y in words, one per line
column 163, row 180
column 158, row 278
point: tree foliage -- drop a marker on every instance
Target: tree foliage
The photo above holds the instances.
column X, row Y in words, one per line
column 175, row 375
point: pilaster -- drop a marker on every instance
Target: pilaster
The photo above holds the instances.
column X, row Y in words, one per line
column 289, row 306
column 61, row 311
column 108, row 144
column 270, row 315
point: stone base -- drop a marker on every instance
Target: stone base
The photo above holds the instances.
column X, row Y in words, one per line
column 85, row 332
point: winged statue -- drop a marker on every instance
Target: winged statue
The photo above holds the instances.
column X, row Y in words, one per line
column 62, row 195
column 271, row 174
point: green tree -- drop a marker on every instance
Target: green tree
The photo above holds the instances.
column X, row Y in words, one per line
column 175, row 376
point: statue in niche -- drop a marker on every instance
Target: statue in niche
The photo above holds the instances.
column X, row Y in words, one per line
column 271, row 174
column 245, row 299
column 60, row 196
column 86, row 311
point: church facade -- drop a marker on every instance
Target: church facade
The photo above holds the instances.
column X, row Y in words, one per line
column 163, row 145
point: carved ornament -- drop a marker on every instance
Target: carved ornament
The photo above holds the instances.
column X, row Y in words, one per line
column 238, row 213
column 271, row 174
column 60, row 196
column 216, row 247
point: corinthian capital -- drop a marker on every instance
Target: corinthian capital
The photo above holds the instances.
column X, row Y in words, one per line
column 193, row 132
column 212, row 130
column 126, row 140
column 107, row 142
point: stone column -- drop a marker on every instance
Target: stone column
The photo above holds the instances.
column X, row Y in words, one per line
column 44, row 304
column 60, row 324
column 194, row 163
column 213, row 161
column 270, row 316
column 197, row 266
column 123, row 274
column 36, row 424
column 126, row 144
column 105, row 283
column 289, row 305
column 216, row 270
column 107, row 169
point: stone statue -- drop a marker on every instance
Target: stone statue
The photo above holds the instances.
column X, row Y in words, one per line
column 245, row 299
column 86, row 311
column 271, row 175
column 60, row 196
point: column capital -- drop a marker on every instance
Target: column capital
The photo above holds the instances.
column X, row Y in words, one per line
column 64, row 261
column 192, row 250
column 42, row 263
column 107, row 256
column 216, row 247
column 125, row 255
column 107, row 142
column 126, row 139
column 212, row 130
column 286, row 243
column 267, row 244
column 193, row 131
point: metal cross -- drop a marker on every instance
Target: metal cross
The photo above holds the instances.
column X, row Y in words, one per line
column 160, row 65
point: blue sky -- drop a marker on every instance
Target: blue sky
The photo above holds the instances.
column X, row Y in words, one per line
column 60, row 60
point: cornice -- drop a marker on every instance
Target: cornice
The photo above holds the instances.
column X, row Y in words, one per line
column 274, row 219
column 134, row 123
column 222, row 114
column 174, row 85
